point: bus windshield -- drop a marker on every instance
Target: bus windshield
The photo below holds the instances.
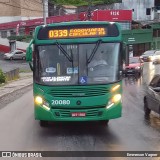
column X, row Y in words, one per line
column 77, row 65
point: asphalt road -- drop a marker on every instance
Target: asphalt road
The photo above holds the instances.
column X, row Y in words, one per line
column 132, row 132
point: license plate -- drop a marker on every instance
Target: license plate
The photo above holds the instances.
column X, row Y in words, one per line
column 130, row 71
column 78, row 114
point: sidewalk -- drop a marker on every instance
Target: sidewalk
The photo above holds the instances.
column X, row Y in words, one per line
column 26, row 79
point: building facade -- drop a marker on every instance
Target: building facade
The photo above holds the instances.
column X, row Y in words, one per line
column 141, row 9
column 15, row 10
column 140, row 40
column 146, row 35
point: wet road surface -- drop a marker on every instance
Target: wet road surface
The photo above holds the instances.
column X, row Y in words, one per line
column 131, row 132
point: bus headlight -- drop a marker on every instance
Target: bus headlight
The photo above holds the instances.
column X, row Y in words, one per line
column 116, row 98
column 38, row 100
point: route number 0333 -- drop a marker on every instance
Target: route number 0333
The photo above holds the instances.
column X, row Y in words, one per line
column 62, row 102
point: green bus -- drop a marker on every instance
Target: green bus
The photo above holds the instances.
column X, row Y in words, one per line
column 77, row 71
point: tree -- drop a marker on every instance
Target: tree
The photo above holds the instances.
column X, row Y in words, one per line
column 83, row 2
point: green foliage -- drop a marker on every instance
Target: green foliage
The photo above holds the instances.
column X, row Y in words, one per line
column 24, row 38
column 2, row 77
column 84, row 2
column 70, row 2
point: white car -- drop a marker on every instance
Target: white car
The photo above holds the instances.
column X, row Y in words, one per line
column 17, row 54
column 151, row 56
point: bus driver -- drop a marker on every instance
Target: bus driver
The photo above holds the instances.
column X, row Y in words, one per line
column 97, row 61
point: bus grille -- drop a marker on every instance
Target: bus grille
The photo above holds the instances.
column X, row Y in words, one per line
column 79, row 92
column 89, row 113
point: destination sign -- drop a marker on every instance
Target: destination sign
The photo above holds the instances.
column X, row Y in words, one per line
column 78, row 31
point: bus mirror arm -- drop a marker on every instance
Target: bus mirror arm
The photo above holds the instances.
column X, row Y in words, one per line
column 31, row 66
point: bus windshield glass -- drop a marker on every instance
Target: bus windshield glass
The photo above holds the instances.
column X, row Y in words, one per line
column 75, row 64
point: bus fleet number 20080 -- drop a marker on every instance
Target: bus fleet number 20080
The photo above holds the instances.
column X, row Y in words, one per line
column 62, row 102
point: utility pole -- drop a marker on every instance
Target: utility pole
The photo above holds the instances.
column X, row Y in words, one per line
column 45, row 10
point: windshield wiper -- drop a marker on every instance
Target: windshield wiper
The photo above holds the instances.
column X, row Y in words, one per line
column 94, row 51
column 64, row 52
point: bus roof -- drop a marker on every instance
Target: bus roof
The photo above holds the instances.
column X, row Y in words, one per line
column 77, row 23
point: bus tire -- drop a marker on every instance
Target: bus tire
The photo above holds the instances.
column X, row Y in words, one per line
column 43, row 123
column 104, row 122
column 147, row 111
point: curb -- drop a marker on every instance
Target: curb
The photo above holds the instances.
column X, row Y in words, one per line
column 15, row 90
column 25, row 86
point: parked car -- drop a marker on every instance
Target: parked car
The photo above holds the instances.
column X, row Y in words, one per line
column 152, row 97
column 151, row 56
column 135, row 66
column 17, row 54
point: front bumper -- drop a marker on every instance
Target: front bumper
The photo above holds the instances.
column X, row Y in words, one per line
column 92, row 114
column 6, row 57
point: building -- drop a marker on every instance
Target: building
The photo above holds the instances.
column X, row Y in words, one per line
column 69, row 9
column 26, row 27
column 140, row 40
column 145, row 31
column 142, row 10
column 124, row 17
column 15, row 10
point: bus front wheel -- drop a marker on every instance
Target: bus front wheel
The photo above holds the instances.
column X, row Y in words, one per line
column 104, row 122
column 43, row 123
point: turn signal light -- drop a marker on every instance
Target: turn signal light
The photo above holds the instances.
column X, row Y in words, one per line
column 115, row 87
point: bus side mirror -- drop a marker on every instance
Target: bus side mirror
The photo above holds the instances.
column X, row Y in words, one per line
column 29, row 54
column 156, row 89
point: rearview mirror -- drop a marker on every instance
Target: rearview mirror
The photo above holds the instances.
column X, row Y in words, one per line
column 29, row 55
column 29, row 52
column 156, row 89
